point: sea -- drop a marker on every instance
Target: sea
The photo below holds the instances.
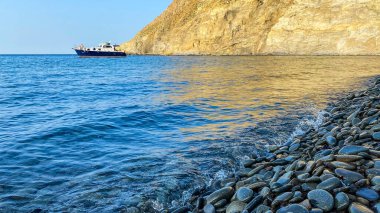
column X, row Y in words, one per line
column 107, row 134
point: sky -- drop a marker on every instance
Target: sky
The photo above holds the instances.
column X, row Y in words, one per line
column 56, row 26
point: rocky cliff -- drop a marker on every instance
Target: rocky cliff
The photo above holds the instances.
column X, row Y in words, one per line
column 253, row 27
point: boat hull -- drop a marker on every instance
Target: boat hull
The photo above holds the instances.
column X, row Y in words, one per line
column 85, row 53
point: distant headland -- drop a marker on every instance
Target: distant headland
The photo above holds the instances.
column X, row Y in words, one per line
column 258, row 27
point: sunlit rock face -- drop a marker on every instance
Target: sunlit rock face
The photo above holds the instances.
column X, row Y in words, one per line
column 253, row 27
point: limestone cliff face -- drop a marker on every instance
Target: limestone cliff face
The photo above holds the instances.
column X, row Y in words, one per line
column 249, row 27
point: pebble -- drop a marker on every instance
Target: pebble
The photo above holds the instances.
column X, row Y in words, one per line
column 295, row 208
column 348, row 158
column 224, row 193
column 261, row 209
column 352, row 150
column 368, row 194
column 375, row 180
column 284, row 197
column 359, row 208
column 329, row 184
column 254, row 202
column 209, row 208
column 376, row 136
column 244, row 194
column 349, row 176
column 320, row 198
column 331, row 140
column 235, row 207
column 343, row 165
column 342, row 201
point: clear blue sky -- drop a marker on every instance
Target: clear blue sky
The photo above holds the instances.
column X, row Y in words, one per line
column 55, row 26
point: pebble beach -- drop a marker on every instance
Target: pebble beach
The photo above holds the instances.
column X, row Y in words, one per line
column 332, row 168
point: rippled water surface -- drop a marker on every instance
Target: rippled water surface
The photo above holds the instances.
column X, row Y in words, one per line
column 105, row 134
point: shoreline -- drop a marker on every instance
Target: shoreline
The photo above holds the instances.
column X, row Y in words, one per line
column 335, row 168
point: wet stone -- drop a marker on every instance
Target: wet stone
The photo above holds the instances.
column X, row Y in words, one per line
column 326, row 176
column 209, row 208
column 284, row 179
column 220, row 203
column 244, row 194
column 342, row 201
column 348, row 158
column 375, row 172
column 254, row 202
column 377, row 164
column 316, row 210
column 376, row 136
column 343, row 165
column 294, row 147
column 331, row 140
column 282, row 198
column 359, row 208
column 320, row 198
column 368, row 194
column 376, row 128
column 261, row 209
column 352, row 150
column 224, row 193
column 329, row 184
column 308, row 186
column 235, row 207
column 375, row 180
column 295, row 208
column 348, row 175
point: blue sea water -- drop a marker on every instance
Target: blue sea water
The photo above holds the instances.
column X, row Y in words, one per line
column 102, row 135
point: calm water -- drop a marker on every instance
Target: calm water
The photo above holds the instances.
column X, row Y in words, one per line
column 104, row 134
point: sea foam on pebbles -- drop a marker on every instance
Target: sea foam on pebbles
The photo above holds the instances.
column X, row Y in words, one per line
column 333, row 168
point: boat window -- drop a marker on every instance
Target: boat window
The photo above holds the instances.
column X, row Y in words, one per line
column 94, row 49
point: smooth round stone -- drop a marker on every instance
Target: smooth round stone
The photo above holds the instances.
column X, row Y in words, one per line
column 343, row 165
column 294, row 147
column 326, row 177
column 261, row 209
column 244, row 194
column 368, row 194
column 295, row 208
column 355, row 121
column 376, row 128
column 375, row 180
column 220, row 203
column 320, row 198
column 352, row 150
column 377, row 207
column 348, row 175
column 348, row 158
column 283, row 197
column 224, row 193
column 376, row 136
column 209, row 208
column 359, row 208
column 316, row 211
column 329, row 184
column 331, row 140
column 341, row 201
column 235, row 207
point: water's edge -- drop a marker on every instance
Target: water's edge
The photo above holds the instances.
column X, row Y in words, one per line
column 207, row 197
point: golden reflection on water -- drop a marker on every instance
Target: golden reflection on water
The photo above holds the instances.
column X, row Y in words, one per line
column 237, row 88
